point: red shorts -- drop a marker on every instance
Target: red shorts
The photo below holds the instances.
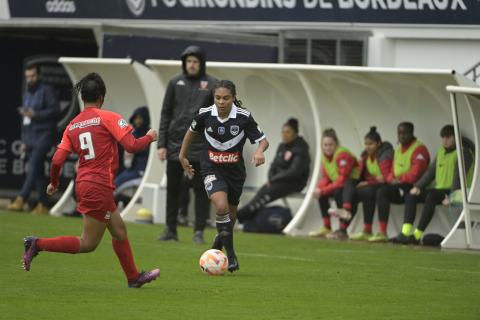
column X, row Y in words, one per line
column 95, row 200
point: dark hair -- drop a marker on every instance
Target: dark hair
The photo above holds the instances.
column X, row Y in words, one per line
column 292, row 123
column 230, row 86
column 447, row 131
column 407, row 125
column 373, row 135
column 91, row 88
column 33, row 66
column 330, row 133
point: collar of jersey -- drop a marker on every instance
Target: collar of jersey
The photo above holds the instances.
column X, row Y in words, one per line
column 232, row 115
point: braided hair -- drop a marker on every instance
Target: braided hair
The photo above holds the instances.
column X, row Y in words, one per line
column 91, row 88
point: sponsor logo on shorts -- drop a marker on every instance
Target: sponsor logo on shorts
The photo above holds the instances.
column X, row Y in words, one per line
column 234, row 130
column 108, row 215
column 223, row 157
column 208, row 181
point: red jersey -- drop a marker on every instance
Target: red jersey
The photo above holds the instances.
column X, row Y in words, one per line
column 93, row 135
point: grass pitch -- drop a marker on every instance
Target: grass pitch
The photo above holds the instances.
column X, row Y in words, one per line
column 280, row 278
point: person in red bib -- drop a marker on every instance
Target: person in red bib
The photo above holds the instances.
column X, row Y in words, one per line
column 375, row 167
column 93, row 135
column 410, row 161
column 438, row 182
column 338, row 165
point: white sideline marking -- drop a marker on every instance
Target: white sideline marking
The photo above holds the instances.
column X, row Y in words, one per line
column 448, row 270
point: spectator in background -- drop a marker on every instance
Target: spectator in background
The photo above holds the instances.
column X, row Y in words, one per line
column 39, row 113
column 186, row 93
column 410, row 161
column 136, row 163
column 375, row 167
column 444, row 174
column 288, row 173
column 338, row 165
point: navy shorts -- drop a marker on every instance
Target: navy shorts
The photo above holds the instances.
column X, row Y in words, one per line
column 219, row 181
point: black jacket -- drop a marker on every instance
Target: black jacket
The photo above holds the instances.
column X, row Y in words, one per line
column 291, row 163
column 42, row 99
column 183, row 98
column 140, row 158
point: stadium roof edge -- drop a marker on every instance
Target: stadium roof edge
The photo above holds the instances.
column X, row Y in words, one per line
column 304, row 67
column 466, row 90
column 94, row 60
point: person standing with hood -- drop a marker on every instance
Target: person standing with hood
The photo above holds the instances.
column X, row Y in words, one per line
column 186, row 93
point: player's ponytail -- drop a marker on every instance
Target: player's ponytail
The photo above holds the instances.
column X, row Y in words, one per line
column 230, row 86
column 91, row 88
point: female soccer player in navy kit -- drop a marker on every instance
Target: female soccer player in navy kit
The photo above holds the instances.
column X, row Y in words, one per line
column 225, row 126
column 93, row 135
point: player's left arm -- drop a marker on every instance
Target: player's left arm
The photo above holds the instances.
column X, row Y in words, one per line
column 256, row 135
column 122, row 132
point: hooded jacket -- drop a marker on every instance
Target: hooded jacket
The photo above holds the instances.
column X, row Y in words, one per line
column 140, row 159
column 291, row 163
column 184, row 96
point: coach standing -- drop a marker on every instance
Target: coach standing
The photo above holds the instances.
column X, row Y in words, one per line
column 186, row 93
column 39, row 112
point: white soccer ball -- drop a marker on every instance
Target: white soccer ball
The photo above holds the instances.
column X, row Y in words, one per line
column 213, row 262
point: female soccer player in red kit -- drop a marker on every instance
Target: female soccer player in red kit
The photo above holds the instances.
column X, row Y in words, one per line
column 93, row 135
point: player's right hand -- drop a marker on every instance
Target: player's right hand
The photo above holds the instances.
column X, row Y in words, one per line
column 187, row 167
column 162, row 154
column 415, row 191
column 153, row 134
column 51, row 189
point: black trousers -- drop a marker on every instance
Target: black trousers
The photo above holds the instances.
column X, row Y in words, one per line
column 341, row 196
column 393, row 193
column 35, row 176
column 367, row 196
column 432, row 198
column 265, row 195
column 174, row 184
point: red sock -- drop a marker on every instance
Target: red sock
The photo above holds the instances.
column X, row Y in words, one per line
column 367, row 227
column 59, row 244
column 343, row 226
column 383, row 227
column 326, row 222
column 347, row 206
column 125, row 256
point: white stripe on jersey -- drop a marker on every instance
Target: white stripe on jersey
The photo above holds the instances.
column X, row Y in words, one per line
column 223, row 146
column 203, row 110
column 245, row 112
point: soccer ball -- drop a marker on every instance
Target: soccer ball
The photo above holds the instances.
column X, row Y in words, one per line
column 213, row 262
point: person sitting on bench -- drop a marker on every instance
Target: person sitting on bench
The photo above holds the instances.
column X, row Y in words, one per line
column 288, row 173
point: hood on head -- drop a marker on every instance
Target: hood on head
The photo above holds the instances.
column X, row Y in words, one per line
column 197, row 52
column 142, row 112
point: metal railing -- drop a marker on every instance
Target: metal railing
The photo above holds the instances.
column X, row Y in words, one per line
column 473, row 72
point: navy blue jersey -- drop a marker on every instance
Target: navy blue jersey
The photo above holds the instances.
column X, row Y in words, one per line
column 224, row 138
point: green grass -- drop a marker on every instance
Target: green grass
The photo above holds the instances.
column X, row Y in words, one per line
column 280, row 278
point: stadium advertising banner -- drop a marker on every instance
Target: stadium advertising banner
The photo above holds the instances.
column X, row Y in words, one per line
column 345, row 11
